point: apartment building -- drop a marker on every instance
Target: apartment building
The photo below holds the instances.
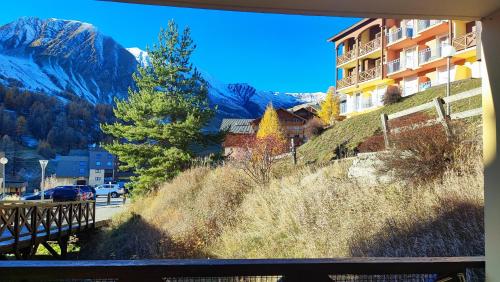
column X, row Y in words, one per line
column 101, row 166
column 409, row 53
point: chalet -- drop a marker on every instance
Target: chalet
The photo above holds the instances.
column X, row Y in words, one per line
column 292, row 124
column 239, row 132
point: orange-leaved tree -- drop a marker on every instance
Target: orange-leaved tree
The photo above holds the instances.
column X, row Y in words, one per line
column 262, row 152
column 330, row 108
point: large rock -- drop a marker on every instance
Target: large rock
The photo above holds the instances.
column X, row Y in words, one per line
column 364, row 170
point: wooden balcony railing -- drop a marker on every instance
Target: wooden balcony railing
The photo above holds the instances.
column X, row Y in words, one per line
column 285, row 270
column 371, row 46
column 370, row 74
column 344, row 58
column 465, row 41
column 346, row 81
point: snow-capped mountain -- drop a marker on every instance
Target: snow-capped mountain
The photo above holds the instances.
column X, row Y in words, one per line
column 54, row 56
column 241, row 100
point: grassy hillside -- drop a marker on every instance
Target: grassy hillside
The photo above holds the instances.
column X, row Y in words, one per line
column 313, row 212
column 355, row 130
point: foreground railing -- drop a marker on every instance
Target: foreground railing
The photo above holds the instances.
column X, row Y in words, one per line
column 23, row 225
column 342, row 269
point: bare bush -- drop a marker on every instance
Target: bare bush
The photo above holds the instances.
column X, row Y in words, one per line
column 392, row 95
column 260, row 155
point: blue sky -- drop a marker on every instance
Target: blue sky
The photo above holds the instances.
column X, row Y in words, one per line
column 271, row 52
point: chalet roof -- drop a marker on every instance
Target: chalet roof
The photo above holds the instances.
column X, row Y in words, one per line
column 312, row 107
column 242, row 126
column 281, row 113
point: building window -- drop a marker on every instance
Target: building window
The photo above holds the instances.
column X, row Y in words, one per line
column 109, row 163
column 110, row 156
column 98, row 163
column 82, row 170
column 97, row 171
column 343, row 107
column 82, row 163
column 97, row 179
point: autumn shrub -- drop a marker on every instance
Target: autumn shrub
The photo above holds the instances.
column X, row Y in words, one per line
column 313, row 128
column 392, row 95
column 374, row 143
column 419, row 153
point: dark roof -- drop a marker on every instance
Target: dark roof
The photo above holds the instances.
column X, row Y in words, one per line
column 237, row 125
column 348, row 30
column 72, row 166
column 281, row 113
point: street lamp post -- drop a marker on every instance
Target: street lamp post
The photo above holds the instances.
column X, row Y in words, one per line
column 448, row 52
column 3, row 162
column 43, row 164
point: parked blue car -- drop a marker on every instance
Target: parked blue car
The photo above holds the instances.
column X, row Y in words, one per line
column 73, row 193
column 38, row 195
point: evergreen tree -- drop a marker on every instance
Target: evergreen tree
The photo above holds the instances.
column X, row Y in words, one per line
column 330, row 108
column 270, row 124
column 161, row 120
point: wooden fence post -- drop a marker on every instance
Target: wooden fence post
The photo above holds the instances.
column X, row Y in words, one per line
column 385, row 129
column 438, row 103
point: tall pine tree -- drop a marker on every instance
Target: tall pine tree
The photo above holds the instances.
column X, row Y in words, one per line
column 330, row 108
column 160, row 122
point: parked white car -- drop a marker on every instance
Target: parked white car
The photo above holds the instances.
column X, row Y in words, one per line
column 113, row 189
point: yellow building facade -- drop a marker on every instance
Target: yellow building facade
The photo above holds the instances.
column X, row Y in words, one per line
column 375, row 53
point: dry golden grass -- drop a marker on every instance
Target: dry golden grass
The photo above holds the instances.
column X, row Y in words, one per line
column 309, row 212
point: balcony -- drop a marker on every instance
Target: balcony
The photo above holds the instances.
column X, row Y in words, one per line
column 399, row 34
column 394, row 66
column 370, row 74
column 427, row 55
column 346, row 81
column 371, row 46
column 465, row 41
column 348, row 56
column 425, row 24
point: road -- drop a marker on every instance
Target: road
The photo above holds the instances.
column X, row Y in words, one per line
column 104, row 211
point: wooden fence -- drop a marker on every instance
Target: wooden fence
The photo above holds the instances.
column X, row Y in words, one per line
column 439, row 105
column 25, row 225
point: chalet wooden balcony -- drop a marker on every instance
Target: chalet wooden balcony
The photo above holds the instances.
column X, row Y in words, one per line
column 346, row 81
column 465, row 41
column 371, row 46
column 370, row 74
column 348, row 56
